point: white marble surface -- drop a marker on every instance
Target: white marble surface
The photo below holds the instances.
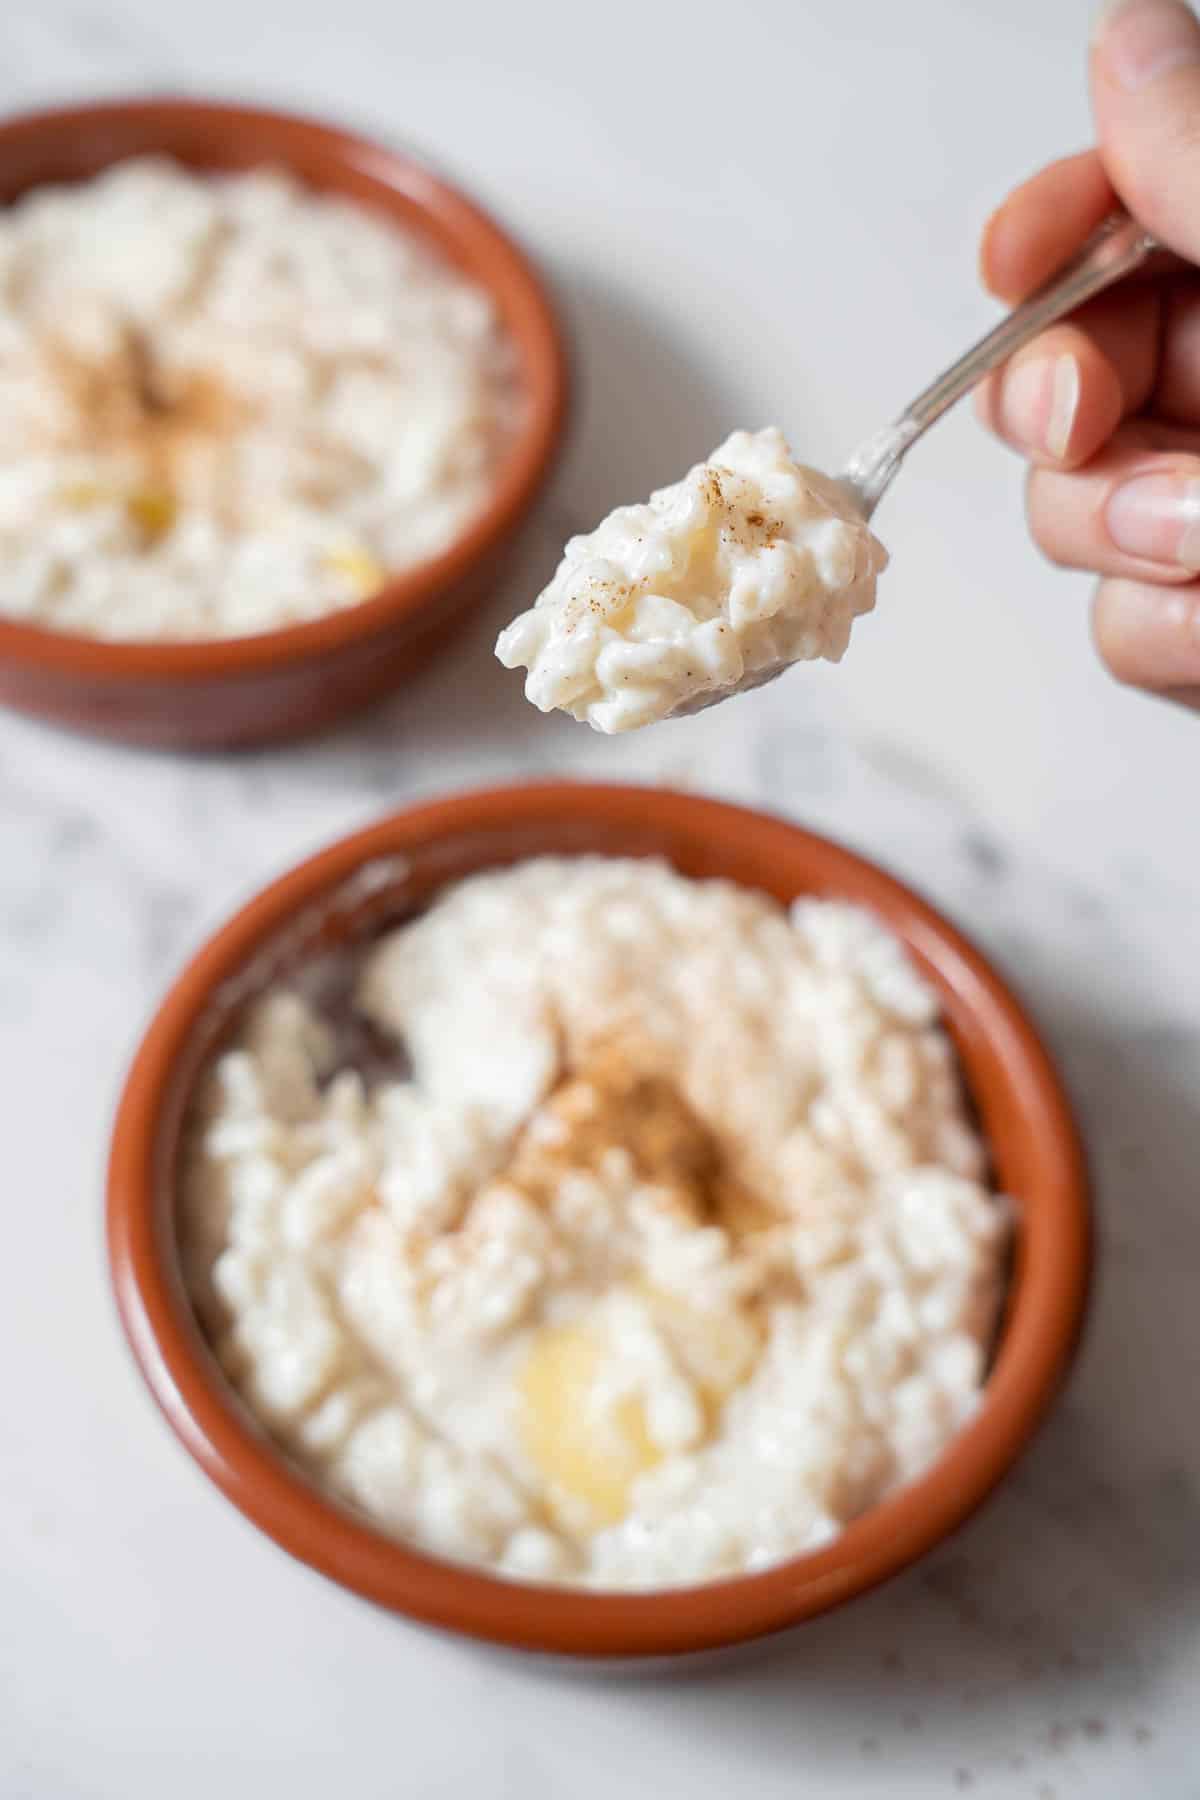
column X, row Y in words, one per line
column 769, row 218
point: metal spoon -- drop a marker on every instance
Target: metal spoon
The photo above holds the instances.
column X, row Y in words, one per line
column 1114, row 250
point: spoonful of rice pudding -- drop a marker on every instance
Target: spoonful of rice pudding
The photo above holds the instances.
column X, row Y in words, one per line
column 751, row 562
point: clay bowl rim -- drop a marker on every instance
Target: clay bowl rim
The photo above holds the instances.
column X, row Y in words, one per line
column 1040, row 1333
column 427, row 203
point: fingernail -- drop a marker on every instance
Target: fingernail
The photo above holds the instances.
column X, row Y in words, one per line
column 1064, row 398
column 1157, row 517
column 1139, row 40
column 1038, row 403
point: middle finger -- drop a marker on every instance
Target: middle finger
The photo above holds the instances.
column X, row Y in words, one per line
column 1061, row 398
column 1133, row 513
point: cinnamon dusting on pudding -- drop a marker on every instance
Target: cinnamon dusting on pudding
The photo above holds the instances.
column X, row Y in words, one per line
column 615, row 1102
column 131, row 406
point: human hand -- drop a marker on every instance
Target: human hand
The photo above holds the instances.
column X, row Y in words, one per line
column 1106, row 405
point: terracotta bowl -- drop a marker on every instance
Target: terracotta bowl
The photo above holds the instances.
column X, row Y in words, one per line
column 350, row 891
column 278, row 684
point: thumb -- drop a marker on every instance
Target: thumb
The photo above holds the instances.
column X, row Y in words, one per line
column 1146, row 99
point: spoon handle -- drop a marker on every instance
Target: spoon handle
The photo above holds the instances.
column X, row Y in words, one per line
column 1114, row 250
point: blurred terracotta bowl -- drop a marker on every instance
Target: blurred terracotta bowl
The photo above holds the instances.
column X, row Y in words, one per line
column 359, row 886
column 277, row 684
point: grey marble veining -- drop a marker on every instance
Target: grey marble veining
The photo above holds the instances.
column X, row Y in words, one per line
column 152, row 1641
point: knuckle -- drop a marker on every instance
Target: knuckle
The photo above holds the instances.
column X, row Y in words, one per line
column 1112, row 646
column 1045, row 520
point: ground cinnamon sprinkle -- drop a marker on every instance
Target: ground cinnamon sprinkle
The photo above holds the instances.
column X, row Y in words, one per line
column 615, row 1098
column 128, row 403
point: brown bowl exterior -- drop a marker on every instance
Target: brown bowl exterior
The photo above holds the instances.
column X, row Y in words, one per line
column 231, row 692
column 1024, row 1112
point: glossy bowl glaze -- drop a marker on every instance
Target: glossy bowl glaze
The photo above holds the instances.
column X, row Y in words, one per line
column 227, row 692
column 379, row 875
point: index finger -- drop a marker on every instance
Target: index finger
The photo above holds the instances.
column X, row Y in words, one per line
column 1034, row 231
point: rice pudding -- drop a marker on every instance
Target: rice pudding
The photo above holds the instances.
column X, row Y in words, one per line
column 747, row 564
column 664, row 1250
column 229, row 404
